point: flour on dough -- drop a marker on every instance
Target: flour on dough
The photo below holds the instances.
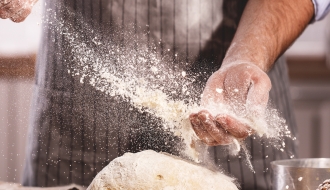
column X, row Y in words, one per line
column 151, row 170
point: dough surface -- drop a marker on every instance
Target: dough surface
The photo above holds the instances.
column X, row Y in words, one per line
column 157, row 171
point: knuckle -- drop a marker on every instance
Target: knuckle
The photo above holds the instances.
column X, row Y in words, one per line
column 21, row 15
column 221, row 120
column 195, row 124
column 204, row 115
column 4, row 2
column 211, row 143
column 25, row 14
column 14, row 4
column 242, row 135
column 3, row 14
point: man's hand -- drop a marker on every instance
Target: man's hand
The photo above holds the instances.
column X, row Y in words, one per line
column 244, row 89
column 16, row 10
column 265, row 31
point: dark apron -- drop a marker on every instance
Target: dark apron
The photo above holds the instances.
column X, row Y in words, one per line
column 76, row 130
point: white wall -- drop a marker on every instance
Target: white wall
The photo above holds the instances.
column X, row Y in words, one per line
column 21, row 38
column 15, row 95
column 15, row 98
column 312, row 111
column 314, row 40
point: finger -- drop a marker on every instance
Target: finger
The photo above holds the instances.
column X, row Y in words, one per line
column 11, row 9
column 4, row 2
column 21, row 16
column 218, row 134
column 4, row 14
column 200, row 131
column 233, row 126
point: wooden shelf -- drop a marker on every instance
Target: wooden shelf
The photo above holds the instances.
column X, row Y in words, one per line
column 17, row 67
column 300, row 69
column 308, row 69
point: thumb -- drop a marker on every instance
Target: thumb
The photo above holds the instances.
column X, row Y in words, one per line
column 213, row 92
column 258, row 93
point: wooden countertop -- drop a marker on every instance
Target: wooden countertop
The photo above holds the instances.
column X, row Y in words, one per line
column 15, row 186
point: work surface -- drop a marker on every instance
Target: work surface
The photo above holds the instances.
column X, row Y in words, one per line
column 15, row 186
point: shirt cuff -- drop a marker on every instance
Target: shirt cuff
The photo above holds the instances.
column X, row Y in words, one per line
column 321, row 8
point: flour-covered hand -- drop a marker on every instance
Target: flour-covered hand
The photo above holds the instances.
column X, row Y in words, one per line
column 16, row 10
column 243, row 89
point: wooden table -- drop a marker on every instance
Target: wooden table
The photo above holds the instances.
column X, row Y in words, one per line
column 16, row 186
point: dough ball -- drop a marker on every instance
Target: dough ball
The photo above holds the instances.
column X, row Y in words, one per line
column 151, row 170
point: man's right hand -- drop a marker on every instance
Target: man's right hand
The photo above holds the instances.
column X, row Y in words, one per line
column 16, row 10
column 244, row 88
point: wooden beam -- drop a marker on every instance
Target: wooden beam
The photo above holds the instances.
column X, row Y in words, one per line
column 17, row 67
column 308, row 69
column 302, row 69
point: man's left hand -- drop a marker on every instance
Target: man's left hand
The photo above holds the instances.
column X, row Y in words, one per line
column 16, row 10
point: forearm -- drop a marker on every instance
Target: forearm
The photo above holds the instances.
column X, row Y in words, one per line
column 267, row 28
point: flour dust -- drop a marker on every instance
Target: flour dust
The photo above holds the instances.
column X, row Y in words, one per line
column 128, row 65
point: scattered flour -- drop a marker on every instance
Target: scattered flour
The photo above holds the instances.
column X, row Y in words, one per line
column 134, row 71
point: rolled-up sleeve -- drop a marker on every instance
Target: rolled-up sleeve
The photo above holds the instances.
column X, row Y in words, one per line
column 321, row 7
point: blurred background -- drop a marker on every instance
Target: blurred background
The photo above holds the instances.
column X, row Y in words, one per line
column 309, row 69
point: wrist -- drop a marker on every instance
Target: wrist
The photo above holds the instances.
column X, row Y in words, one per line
column 240, row 53
column 241, row 64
